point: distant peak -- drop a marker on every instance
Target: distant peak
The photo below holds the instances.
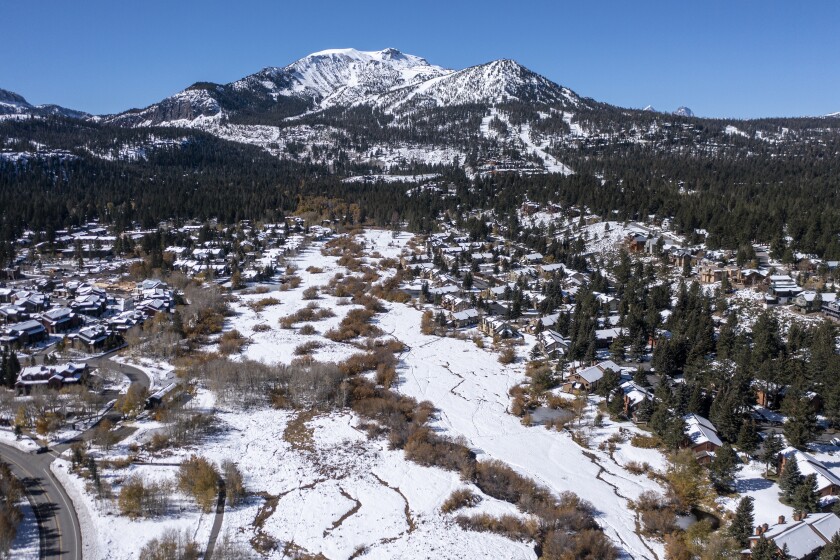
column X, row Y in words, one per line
column 650, row 108
column 12, row 98
column 684, row 112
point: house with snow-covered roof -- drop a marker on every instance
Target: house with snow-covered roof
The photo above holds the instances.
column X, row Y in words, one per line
column 54, row 377
column 828, row 482
column 802, row 539
column 809, row 300
column 701, row 437
column 587, row 379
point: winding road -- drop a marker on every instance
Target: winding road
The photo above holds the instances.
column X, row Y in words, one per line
column 58, row 524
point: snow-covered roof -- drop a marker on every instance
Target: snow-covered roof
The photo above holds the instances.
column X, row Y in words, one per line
column 808, row 464
column 804, row 537
column 699, row 430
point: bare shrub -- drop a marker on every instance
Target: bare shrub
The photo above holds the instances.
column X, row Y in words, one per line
column 314, row 269
column 657, row 513
column 460, row 498
column 232, row 342
column 262, row 303
column 368, row 361
column 308, row 385
column 200, row 479
column 634, row 467
column 310, row 293
column 138, row 498
column 587, row 544
column 309, row 313
column 172, row 545
column 262, row 327
column 11, row 492
column 307, row 348
column 307, row 330
column 234, row 485
column 645, row 442
column 507, row 355
column 356, row 323
column 510, row 526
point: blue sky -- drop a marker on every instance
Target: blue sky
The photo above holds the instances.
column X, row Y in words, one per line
column 733, row 58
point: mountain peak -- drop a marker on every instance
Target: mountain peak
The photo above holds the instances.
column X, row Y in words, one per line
column 11, row 98
column 684, row 112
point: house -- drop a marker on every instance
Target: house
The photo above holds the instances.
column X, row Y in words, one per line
column 634, row 395
column 496, row 327
column 605, row 337
column 782, row 289
column 59, row 319
column 710, row 274
column 454, row 303
column 701, row 437
column 553, row 344
column 587, row 379
column 831, row 309
column 828, row 483
column 464, row 318
column 12, row 314
column 54, row 377
column 810, row 301
column 751, row 277
column 24, row 333
column 635, row 242
column 158, row 398
column 804, row 538
column 92, row 338
column 532, row 258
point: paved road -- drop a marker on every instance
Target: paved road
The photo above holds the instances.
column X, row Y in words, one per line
column 61, row 535
column 217, row 520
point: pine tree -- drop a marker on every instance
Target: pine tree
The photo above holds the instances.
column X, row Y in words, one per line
column 801, row 425
column 805, row 498
column 742, row 524
column 723, row 468
column 674, row 433
column 772, row 447
column 790, row 479
column 748, row 437
column 832, row 549
column 764, row 550
column 645, row 410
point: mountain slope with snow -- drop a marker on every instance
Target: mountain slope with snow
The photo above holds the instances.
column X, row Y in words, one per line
column 14, row 104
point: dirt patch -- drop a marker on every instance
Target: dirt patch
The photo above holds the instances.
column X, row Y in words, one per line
column 352, row 511
column 298, row 434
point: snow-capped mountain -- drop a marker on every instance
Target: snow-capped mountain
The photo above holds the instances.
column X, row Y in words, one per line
column 684, row 112
column 337, row 77
column 495, row 82
column 649, row 108
column 346, row 76
column 387, row 79
column 12, row 103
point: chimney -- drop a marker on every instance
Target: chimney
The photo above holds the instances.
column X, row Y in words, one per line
column 758, row 531
column 781, row 520
column 764, row 528
column 796, row 516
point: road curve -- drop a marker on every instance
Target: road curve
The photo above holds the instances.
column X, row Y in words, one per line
column 61, row 536
column 58, row 524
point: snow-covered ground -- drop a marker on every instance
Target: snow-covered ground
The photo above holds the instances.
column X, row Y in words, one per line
column 324, row 486
column 27, row 543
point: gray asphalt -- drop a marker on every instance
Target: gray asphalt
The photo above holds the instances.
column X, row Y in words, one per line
column 217, row 521
column 58, row 524
column 61, row 535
